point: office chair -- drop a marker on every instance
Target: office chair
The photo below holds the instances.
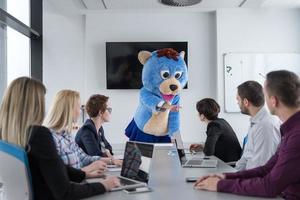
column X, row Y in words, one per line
column 14, row 172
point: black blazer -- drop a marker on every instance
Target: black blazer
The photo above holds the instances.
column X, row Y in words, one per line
column 89, row 140
column 221, row 141
column 51, row 178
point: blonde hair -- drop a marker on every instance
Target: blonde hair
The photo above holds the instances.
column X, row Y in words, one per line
column 60, row 115
column 23, row 105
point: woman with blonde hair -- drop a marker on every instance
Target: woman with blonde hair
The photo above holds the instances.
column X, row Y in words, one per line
column 22, row 106
column 62, row 115
column 21, row 115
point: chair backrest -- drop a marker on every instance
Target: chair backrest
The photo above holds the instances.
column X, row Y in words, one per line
column 14, row 172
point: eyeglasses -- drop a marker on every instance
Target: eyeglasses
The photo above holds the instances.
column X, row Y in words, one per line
column 109, row 109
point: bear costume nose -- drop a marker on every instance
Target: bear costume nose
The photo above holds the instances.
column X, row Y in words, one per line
column 173, row 87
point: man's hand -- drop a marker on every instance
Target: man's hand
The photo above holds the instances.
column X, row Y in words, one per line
column 220, row 176
column 209, row 184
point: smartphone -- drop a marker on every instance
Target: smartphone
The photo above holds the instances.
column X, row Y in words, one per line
column 138, row 190
column 191, row 179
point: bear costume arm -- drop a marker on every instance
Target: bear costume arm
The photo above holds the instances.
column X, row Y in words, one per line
column 150, row 100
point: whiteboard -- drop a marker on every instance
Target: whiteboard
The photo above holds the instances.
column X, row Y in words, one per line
column 241, row 67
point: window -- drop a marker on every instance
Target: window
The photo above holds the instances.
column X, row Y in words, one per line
column 18, row 52
column 19, row 9
column 20, row 40
column 2, row 60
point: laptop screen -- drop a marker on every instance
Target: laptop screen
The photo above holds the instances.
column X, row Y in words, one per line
column 137, row 160
column 180, row 151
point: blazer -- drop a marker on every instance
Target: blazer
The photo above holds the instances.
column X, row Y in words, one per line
column 90, row 140
column 222, row 141
column 51, row 178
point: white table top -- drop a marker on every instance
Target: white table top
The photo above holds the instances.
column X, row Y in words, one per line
column 167, row 179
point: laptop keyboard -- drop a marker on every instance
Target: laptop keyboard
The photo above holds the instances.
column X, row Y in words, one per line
column 126, row 182
column 194, row 162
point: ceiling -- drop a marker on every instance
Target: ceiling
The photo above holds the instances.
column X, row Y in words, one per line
column 86, row 6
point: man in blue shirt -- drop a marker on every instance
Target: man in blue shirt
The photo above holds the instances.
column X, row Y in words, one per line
column 263, row 134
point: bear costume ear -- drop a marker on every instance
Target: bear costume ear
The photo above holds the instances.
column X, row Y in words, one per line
column 181, row 54
column 144, row 56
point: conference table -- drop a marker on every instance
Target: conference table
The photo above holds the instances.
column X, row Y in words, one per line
column 167, row 180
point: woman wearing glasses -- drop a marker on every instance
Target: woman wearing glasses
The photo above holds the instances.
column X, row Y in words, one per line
column 90, row 136
column 63, row 113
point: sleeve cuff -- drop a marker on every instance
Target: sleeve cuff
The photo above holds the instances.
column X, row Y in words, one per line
column 102, row 188
column 82, row 175
column 95, row 158
column 225, row 185
column 231, row 175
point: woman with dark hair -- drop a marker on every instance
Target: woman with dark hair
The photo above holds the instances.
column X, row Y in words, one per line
column 221, row 140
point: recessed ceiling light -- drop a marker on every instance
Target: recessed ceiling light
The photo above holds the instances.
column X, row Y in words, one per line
column 180, row 3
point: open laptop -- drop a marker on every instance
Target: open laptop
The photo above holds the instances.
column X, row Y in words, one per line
column 204, row 162
column 136, row 165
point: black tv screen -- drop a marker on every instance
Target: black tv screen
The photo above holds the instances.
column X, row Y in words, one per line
column 123, row 69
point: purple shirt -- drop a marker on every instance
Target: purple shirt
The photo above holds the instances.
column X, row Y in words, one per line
column 281, row 174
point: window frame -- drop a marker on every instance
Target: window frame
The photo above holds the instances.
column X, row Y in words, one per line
column 34, row 33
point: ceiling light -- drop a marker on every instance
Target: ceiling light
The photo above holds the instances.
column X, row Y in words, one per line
column 180, row 3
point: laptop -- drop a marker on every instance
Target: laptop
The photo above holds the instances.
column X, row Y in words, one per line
column 204, row 162
column 136, row 165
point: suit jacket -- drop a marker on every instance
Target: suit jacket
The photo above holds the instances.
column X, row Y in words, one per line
column 52, row 179
column 221, row 141
column 90, row 140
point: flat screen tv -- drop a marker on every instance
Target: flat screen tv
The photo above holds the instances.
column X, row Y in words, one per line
column 123, row 69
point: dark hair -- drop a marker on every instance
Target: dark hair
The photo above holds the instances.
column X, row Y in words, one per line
column 253, row 92
column 209, row 108
column 285, row 85
column 169, row 53
column 95, row 104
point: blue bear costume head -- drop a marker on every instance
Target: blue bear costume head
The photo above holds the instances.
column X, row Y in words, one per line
column 157, row 116
column 162, row 75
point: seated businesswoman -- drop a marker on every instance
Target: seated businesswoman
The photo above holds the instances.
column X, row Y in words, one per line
column 90, row 136
column 221, row 140
column 60, row 119
column 21, row 116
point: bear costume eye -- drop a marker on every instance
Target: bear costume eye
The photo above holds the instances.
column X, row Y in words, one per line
column 165, row 74
column 178, row 75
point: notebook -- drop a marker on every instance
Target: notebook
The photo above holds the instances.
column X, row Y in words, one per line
column 136, row 165
column 205, row 162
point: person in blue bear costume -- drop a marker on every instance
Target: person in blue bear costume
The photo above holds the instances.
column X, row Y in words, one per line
column 157, row 117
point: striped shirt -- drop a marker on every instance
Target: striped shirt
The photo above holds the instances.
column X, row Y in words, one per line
column 71, row 154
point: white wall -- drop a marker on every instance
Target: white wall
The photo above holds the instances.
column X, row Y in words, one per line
column 248, row 30
column 74, row 54
column 196, row 28
column 63, row 51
